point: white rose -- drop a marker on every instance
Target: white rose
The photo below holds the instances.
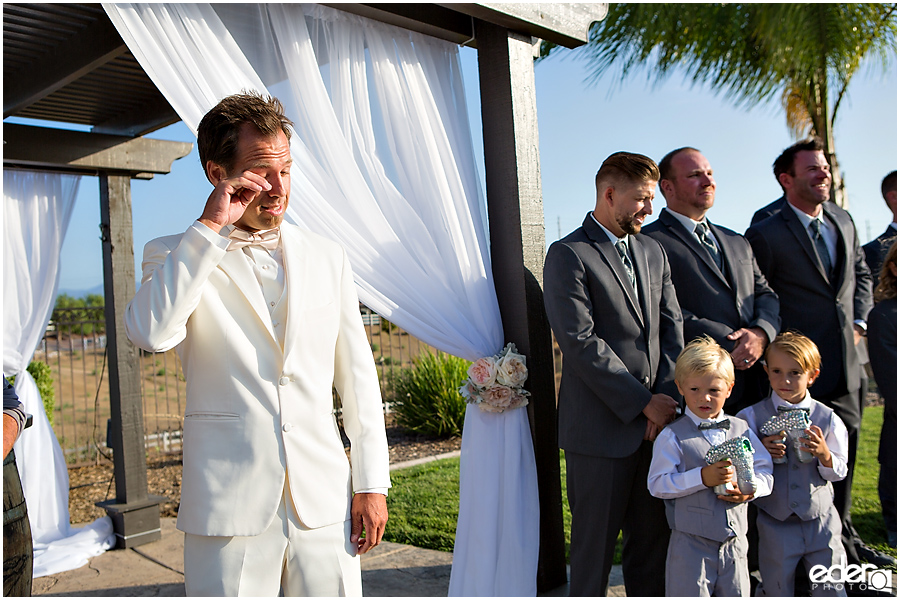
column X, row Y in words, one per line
column 511, row 370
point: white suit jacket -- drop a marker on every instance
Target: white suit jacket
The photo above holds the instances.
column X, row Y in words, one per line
column 255, row 413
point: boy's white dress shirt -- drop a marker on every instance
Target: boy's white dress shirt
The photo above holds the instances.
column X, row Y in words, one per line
column 836, row 437
column 664, row 481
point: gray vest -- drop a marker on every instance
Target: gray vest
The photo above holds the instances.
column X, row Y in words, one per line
column 798, row 488
column 702, row 513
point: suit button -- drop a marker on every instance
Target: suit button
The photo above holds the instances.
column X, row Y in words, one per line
column 795, row 467
column 645, row 380
column 794, row 486
column 286, row 427
column 284, row 381
column 793, row 505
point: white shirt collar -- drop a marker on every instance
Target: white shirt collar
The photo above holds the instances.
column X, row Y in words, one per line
column 688, row 223
column 610, row 234
column 227, row 229
column 697, row 420
column 806, row 219
column 777, row 401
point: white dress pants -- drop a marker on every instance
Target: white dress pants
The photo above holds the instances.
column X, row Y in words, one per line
column 286, row 557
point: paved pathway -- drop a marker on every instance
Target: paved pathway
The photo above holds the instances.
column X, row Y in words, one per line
column 157, row 568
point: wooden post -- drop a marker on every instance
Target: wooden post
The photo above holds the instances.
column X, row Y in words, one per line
column 134, row 512
column 516, row 219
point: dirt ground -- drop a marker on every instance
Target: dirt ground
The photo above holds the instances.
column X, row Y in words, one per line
column 91, row 484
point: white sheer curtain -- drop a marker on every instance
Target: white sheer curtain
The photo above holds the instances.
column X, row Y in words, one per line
column 36, row 212
column 383, row 163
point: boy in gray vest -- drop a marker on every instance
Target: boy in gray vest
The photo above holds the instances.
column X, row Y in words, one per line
column 798, row 521
column 707, row 553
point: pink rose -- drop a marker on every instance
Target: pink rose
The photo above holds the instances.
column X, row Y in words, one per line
column 483, row 372
column 498, row 396
column 518, row 401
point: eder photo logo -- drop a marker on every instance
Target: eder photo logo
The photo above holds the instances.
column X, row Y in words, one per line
column 863, row 577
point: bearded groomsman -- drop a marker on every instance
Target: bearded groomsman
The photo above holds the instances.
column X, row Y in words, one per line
column 612, row 306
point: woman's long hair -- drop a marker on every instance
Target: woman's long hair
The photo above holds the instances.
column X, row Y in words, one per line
column 887, row 283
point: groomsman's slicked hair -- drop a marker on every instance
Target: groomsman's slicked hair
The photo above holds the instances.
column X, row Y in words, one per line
column 626, row 166
column 217, row 134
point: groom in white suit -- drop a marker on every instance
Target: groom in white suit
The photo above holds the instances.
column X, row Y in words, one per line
column 265, row 318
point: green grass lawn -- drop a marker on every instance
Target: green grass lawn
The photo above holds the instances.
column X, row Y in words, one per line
column 423, row 500
column 423, row 505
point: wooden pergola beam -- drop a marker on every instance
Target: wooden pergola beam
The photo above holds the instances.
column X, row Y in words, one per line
column 516, row 221
column 77, row 151
column 147, row 118
column 67, row 63
column 563, row 24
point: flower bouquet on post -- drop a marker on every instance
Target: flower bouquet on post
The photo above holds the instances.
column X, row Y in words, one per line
column 495, row 382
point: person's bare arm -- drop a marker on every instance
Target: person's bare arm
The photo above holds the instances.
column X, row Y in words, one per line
column 10, row 433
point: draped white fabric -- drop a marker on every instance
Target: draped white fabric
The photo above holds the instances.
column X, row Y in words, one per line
column 383, row 163
column 36, row 212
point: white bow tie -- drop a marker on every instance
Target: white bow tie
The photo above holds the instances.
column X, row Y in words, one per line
column 267, row 239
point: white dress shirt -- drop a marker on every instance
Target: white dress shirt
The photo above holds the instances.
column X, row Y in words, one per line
column 690, row 226
column 665, row 481
column 611, row 235
column 826, row 228
column 836, row 436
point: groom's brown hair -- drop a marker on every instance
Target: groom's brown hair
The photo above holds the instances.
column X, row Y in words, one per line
column 217, row 134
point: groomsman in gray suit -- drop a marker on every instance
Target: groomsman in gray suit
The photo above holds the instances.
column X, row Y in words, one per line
column 612, row 306
column 809, row 252
column 877, row 248
column 720, row 289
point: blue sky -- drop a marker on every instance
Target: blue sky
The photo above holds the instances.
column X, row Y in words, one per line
column 579, row 126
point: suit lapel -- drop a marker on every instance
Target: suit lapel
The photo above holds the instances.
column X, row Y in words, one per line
column 610, row 255
column 693, row 243
column 642, row 272
column 730, row 277
column 843, row 242
column 799, row 233
column 296, row 266
column 238, row 269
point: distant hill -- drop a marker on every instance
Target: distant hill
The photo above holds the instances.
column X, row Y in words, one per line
column 97, row 289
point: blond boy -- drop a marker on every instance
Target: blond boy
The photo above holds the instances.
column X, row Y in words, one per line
column 707, row 553
column 799, row 521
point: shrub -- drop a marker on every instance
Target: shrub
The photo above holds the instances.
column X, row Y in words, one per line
column 79, row 316
column 43, row 377
column 426, row 397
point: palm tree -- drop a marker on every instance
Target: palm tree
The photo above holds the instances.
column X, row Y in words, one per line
column 750, row 52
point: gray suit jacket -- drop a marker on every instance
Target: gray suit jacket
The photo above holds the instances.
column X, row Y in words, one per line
column 715, row 303
column 876, row 250
column 618, row 347
column 768, row 210
column 812, row 305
